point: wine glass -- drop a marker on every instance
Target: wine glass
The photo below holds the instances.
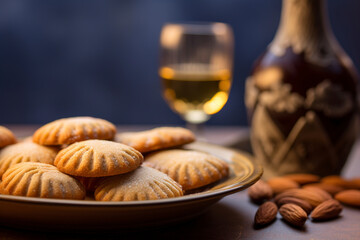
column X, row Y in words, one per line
column 196, row 62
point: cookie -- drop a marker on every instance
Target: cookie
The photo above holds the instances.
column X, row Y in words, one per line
column 25, row 152
column 26, row 139
column 42, row 180
column 75, row 129
column 142, row 184
column 6, row 137
column 97, row 158
column 90, row 183
column 191, row 169
column 157, row 138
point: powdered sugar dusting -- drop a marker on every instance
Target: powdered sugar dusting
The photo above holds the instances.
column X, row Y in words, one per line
column 143, row 180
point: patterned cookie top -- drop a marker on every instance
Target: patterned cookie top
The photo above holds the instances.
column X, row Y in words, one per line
column 98, row 158
column 25, row 151
column 75, row 129
column 142, row 184
column 192, row 169
column 40, row 180
column 6, row 137
column 157, row 138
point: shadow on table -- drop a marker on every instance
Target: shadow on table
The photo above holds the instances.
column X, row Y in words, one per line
column 243, row 144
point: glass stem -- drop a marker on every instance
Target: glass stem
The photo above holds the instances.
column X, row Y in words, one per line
column 197, row 129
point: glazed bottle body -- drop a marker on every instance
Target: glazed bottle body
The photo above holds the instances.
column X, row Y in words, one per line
column 302, row 96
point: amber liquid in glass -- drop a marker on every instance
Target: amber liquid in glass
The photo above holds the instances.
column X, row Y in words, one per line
column 194, row 90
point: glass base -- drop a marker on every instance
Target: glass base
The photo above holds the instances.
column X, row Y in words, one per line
column 196, row 116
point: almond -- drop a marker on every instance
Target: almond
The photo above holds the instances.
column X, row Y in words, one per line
column 335, row 180
column 312, row 197
column 325, row 195
column 354, row 183
column 293, row 214
column 301, row 203
column 349, row 197
column 327, row 210
column 281, row 184
column 331, row 189
column 265, row 214
column 303, row 178
column 260, row 192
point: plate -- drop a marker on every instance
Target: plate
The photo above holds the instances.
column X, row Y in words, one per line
column 26, row 212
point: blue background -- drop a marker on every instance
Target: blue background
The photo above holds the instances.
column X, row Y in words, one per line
column 100, row 58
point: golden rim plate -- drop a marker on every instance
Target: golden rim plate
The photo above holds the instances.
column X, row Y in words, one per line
column 26, row 212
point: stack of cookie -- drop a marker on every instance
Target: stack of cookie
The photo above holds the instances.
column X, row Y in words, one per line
column 74, row 157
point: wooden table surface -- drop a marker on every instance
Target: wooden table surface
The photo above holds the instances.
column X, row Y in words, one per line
column 230, row 218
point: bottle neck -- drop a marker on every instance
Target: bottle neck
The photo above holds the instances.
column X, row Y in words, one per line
column 304, row 27
column 303, row 18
